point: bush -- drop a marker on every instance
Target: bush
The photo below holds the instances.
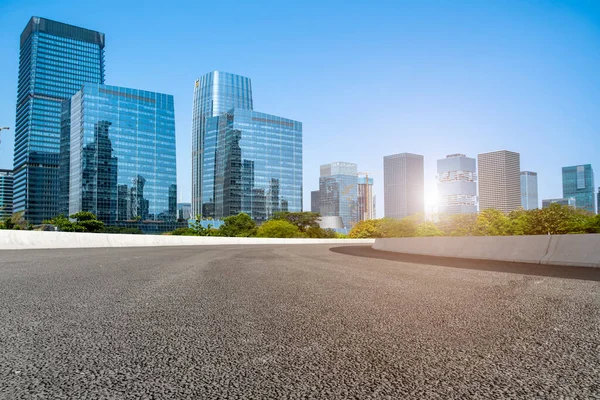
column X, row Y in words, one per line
column 183, row 232
column 428, row 228
column 278, row 229
column 240, row 225
column 123, row 230
column 366, row 229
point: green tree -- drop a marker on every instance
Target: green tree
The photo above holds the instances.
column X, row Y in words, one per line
column 303, row 220
column 370, row 228
column 428, row 228
column 405, row 227
column 492, row 222
column 88, row 221
column 317, row 232
column 278, row 229
column 183, row 232
column 240, row 225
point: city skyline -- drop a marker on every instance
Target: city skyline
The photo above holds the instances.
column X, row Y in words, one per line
column 409, row 135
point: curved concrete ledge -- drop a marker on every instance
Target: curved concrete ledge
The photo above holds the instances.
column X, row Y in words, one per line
column 571, row 250
column 15, row 240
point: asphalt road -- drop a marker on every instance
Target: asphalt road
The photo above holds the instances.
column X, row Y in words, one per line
column 298, row 322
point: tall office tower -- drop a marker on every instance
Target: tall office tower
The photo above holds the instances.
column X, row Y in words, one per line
column 564, row 202
column 6, row 193
column 529, row 190
column 578, row 182
column 403, row 185
column 243, row 160
column 214, row 94
column 457, row 185
column 338, row 192
column 315, row 199
column 121, row 165
column 366, row 199
column 55, row 60
column 499, row 180
column 184, row 211
column 598, row 200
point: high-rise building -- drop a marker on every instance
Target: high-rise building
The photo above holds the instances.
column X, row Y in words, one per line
column 578, row 182
column 184, row 211
column 338, row 192
column 457, row 185
column 214, row 94
column 315, row 199
column 499, row 180
column 6, row 193
column 403, row 185
column 243, row 160
column 121, row 165
column 565, row 202
column 598, row 200
column 55, row 60
column 529, row 190
column 366, row 199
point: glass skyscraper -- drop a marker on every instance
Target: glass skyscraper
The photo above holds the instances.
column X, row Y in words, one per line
column 214, row 94
column 6, row 193
column 457, row 184
column 121, row 159
column 338, row 192
column 529, row 190
column 55, row 60
column 403, row 185
column 243, row 160
column 578, row 182
column 366, row 199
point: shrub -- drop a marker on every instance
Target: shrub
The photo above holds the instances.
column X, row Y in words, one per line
column 278, row 229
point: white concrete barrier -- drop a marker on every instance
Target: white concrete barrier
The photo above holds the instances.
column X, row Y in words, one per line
column 15, row 240
column 573, row 250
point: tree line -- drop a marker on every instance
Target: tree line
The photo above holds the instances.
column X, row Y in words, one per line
column 554, row 220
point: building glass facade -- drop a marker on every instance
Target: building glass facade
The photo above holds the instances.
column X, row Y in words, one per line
column 457, row 185
column 55, row 60
column 252, row 163
column 578, row 182
column 403, row 185
column 571, row 202
column 315, row 200
column 338, row 191
column 121, row 163
column 6, row 193
column 214, row 94
column 529, row 190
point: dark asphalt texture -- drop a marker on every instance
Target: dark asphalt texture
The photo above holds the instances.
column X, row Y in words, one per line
column 291, row 322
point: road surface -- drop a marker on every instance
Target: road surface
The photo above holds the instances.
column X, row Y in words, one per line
column 297, row 322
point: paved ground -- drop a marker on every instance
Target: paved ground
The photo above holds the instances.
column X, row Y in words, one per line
column 291, row 322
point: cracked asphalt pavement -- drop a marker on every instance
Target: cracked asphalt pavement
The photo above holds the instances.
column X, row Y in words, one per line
column 295, row 322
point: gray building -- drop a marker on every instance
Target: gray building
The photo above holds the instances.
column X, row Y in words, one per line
column 578, row 182
column 571, row 202
column 55, row 60
column 338, row 185
column 529, row 190
column 403, row 185
column 184, row 211
column 499, row 180
column 366, row 199
column 457, row 184
column 315, row 200
column 6, row 193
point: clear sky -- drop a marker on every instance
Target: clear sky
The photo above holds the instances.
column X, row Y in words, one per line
column 366, row 78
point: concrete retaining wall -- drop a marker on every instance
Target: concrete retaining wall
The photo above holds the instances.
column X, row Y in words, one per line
column 63, row 240
column 573, row 250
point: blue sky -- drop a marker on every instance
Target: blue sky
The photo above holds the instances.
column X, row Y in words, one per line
column 366, row 78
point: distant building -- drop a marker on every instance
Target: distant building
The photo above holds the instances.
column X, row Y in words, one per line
column 184, row 211
column 499, row 180
column 55, row 60
column 242, row 160
column 366, row 199
column 578, row 182
column 457, row 185
column 529, row 190
column 6, row 193
column 571, row 202
column 598, row 200
column 315, row 199
column 338, row 186
column 403, row 185
column 121, row 165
